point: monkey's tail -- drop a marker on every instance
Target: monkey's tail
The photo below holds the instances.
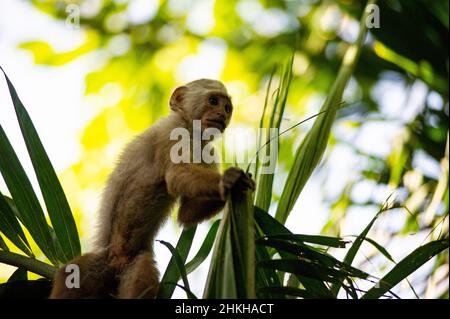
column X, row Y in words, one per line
column 86, row 276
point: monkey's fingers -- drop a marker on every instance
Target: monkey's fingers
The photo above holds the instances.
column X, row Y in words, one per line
column 227, row 183
column 251, row 181
column 223, row 190
column 230, row 178
column 236, row 179
column 248, row 182
column 243, row 184
column 233, row 171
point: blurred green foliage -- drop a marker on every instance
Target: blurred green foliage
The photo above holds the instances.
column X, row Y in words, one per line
column 141, row 60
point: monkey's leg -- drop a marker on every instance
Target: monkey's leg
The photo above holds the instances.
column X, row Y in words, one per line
column 195, row 210
column 95, row 279
column 140, row 278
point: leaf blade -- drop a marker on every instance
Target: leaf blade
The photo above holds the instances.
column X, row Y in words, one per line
column 329, row 241
column 205, row 249
column 180, row 265
column 311, row 150
column 31, row 213
column 406, row 267
column 19, row 275
column 10, row 227
column 55, row 200
column 172, row 273
column 270, row 226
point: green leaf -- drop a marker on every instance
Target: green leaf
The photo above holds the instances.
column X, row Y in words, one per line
column 19, row 275
column 232, row 270
column 302, row 250
column 10, row 227
column 31, row 213
column 314, row 239
column 187, row 291
column 221, row 281
column 289, row 291
column 407, row 266
column 380, row 248
column 350, row 289
column 3, row 245
column 17, row 214
column 311, row 150
column 384, row 252
column 172, row 273
column 348, row 259
column 54, row 197
column 265, row 182
column 261, row 123
column 304, row 268
column 270, row 226
column 242, row 232
column 205, row 249
column 266, row 277
column 180, row 265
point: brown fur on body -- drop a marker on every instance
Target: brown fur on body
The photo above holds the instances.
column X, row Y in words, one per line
column 141, row 192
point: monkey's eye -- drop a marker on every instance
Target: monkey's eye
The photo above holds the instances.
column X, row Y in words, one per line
column 213, row 100
column 227, row 108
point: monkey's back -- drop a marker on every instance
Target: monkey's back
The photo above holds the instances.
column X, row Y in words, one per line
column 135, row 201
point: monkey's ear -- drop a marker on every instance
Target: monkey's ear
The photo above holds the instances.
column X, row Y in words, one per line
column 177, row 98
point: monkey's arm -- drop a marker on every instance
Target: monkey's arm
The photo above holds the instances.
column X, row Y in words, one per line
column 203, row 190
column 193, row 180
column 196, row 210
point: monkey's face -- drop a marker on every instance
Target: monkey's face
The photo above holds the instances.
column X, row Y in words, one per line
column 204, row 100
column 216, row 111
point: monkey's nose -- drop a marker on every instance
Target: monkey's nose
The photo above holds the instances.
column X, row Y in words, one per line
column 221, row 116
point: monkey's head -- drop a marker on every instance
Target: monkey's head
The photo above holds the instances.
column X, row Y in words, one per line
column 204, row 100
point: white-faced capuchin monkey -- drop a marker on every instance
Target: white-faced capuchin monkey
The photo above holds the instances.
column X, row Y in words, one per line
column 141, row 193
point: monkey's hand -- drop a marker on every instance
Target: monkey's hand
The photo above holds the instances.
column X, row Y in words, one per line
column 236, row 180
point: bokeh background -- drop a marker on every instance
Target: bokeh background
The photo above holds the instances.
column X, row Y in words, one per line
column 90, row 87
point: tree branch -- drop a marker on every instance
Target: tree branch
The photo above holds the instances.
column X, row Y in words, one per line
column 30, row 264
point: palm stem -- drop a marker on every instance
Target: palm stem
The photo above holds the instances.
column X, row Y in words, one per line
column 30, row 264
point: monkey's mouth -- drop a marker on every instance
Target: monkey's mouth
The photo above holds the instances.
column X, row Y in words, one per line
column 219, row 124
